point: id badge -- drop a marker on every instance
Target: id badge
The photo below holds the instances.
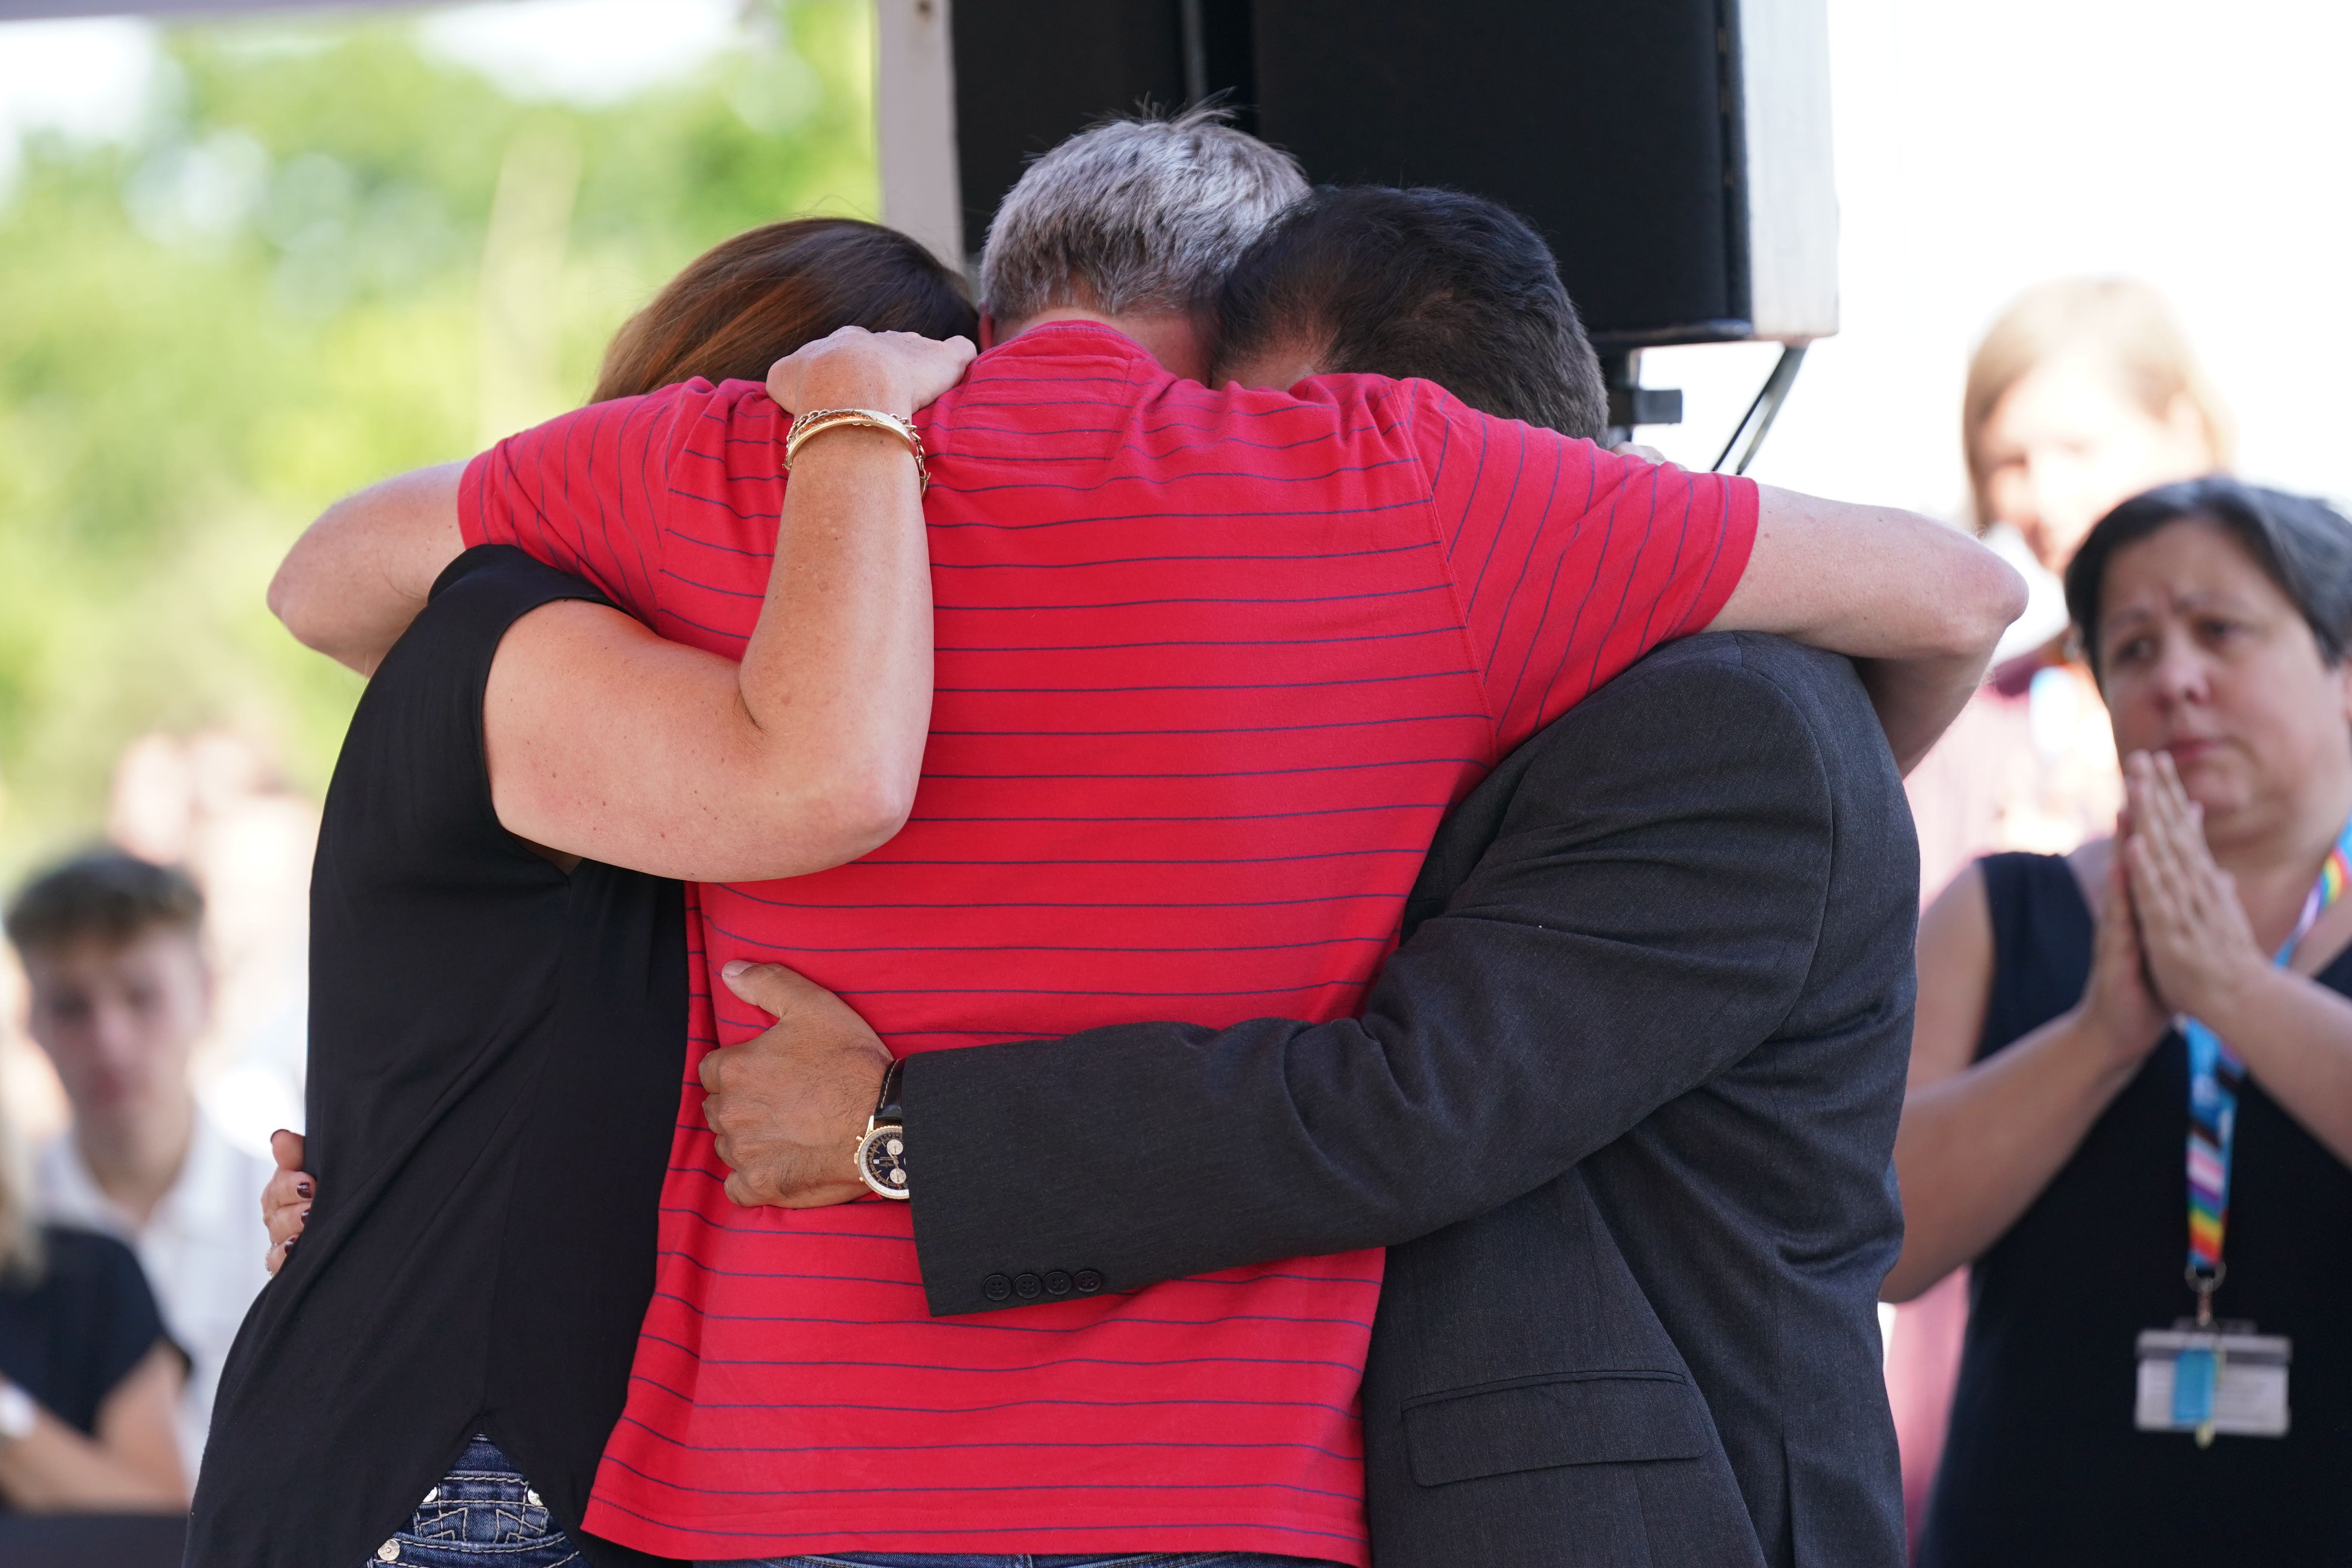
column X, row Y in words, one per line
column 2225, row 1380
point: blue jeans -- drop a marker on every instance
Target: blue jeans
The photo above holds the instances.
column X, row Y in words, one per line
column 482, row 1513
column 985, row 1560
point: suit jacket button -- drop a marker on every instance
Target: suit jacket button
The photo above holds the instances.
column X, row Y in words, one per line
column 996, row 1287
column 1088, row 1282
column 1058, row 1283
column 1029, row 1287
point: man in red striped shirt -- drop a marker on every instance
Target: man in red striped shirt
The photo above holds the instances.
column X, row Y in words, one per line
column 1210, row 666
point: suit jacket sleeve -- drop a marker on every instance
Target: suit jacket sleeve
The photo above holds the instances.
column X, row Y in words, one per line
column 1645, row 916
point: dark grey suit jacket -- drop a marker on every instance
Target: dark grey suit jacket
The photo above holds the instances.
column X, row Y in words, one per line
column 1622, row 1106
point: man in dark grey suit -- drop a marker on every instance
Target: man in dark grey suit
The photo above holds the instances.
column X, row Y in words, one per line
column 1622, row 1106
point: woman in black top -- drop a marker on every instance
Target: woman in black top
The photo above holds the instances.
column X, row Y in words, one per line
column 2045, row 1139
column 498, row 1009
column 88, row 1380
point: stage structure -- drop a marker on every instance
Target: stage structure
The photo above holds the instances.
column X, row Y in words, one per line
column 1676, row 154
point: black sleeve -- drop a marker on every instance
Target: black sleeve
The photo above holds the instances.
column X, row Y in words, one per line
column 104, row 1322
column 1645, row 917
column 413, row 772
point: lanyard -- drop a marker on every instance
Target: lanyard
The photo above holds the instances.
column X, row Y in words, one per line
column 2215, row 1076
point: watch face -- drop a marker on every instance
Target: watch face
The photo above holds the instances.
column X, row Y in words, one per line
column 882, row 1160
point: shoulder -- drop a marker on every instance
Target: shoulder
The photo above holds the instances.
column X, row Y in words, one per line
column 476, row 597
column 1745, row 671
column 89, row 1271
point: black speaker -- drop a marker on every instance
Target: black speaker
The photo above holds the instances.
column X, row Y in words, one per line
column 1675, row 152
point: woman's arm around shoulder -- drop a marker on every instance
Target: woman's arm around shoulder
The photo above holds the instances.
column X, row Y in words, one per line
column 358, row 575
column 606, row 742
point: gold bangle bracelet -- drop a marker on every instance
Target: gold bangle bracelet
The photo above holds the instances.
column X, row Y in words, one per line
column 817, row 421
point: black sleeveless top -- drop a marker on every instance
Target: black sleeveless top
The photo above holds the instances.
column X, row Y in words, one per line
column 496, row 1049
column 2042, row 1465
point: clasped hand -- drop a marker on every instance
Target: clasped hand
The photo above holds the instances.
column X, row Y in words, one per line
column 2201, row 951
column 787, row 1108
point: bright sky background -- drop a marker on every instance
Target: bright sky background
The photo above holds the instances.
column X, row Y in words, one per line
column 1986, row 145
column 1981, row 147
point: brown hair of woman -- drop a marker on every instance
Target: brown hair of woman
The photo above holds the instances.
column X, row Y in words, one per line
column 748, row 302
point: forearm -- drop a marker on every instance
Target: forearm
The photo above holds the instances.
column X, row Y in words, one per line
column 1917, row 699
column 2295, row 1037
column 57, row 1469
column 361, row 572
column 1976, row 1149
column 836, row 681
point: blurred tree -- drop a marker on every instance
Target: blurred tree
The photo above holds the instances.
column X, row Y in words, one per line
column 331, row 256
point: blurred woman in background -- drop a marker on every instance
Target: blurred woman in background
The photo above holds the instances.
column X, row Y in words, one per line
column 89, row 1382
column 2046, row 1138
column 2082, row 393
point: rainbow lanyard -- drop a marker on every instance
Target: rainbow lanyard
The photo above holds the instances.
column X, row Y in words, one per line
column 2215, row 1076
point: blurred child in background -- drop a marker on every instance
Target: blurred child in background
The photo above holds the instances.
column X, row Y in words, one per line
column 112, row 949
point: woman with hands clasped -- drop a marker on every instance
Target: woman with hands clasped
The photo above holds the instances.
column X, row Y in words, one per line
column 2070, row 1007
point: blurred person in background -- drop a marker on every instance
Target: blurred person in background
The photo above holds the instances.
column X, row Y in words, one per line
column 2083, row 392
column 2043, row 1136
column 120, row 992
column 90, row 1382
column 216, row 804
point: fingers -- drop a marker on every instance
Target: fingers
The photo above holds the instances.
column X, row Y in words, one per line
column 287, row 1148
column 770, row 987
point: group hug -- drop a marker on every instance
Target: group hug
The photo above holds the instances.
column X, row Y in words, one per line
column 1169, row 920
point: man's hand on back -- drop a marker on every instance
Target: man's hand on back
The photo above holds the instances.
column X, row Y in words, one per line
column 787, row 1109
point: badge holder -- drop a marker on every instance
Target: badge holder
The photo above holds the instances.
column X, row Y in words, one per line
column 2212, row 1376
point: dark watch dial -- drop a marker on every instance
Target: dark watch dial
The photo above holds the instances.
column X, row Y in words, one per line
column 882, row 1160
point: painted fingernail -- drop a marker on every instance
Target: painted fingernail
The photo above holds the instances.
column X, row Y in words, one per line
column 302, row 1189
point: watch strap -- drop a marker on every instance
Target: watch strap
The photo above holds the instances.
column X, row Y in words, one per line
column 886, row 1107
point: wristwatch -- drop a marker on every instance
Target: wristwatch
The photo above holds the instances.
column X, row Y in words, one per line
column 18, row 1414
column 882, row 1151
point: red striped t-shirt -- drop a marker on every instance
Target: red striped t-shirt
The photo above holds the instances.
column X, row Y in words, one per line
column 1212, row 664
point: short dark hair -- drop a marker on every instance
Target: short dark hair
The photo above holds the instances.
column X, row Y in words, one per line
column 105, row 894
column 1423, row 282
column 2303, row 545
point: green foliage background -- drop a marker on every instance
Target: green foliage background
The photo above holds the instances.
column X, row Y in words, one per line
column 185, row 381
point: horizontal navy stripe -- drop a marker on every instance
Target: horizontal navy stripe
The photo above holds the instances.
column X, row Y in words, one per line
column 1195, row 686
column 1217, row 559
column 1012, row 1487
column 1121, row 1320
column 1164, row 479
column 874, row 862
column 742, row 891
column 1079, row 605
column 883, row 1537
column 1339, row 1455
column 1445, row 628
column 1220, row 816
column 1232, row 773
column 1388, row 723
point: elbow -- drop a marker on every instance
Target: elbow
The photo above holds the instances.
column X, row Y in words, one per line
column 289, row 602
column 1981, row 596
column 867, row 806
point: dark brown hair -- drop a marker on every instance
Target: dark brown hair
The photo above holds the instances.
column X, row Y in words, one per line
column 106, row 895
column 746, row 303
column 2303, row 545
column 1423, row 282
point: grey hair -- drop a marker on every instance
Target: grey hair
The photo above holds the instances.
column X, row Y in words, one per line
column 1138, row 214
